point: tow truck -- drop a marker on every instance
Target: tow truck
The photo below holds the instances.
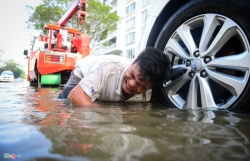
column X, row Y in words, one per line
column 53, row 57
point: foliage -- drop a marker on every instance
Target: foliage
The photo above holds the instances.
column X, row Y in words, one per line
column 99, row 21
column 49, row 11
column 106, row 43
column 12, row 66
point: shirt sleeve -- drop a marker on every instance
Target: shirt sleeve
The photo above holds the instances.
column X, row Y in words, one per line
column 91, row 84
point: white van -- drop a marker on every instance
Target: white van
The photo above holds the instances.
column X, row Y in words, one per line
column 7, row 76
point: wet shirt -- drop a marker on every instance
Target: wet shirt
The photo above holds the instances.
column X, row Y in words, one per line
column 101, row 78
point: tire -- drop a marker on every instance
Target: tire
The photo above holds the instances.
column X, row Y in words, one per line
column 208, row 45
column 34, row 83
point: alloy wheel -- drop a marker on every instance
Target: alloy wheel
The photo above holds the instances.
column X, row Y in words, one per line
column 210, row 60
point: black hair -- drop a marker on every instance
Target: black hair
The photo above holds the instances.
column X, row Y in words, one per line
column 154, row 66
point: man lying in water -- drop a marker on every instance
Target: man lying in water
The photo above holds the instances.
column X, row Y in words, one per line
column 115, row 78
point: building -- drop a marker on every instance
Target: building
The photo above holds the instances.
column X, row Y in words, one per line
column 125, row 40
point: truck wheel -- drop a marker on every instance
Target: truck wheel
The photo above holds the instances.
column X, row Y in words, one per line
column 208, row 44
column 35, row 81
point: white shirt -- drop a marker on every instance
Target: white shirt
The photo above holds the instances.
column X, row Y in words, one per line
column 101, row 78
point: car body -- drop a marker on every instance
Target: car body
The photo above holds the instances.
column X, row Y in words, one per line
column 7, row 76
column 207, row 42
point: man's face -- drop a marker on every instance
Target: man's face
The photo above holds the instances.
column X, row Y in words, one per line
column 132, row 83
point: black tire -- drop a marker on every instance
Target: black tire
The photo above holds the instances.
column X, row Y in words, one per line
column 33, row 83
column 237, row 11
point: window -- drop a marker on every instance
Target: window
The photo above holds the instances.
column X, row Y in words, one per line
column 145, row 2
column 130, row 23
column 130, row 53
column 130, row 8
column 130, row 38
column 114, row 7
column 144, row 15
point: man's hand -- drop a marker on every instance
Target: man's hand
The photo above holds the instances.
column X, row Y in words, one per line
column 77, row 96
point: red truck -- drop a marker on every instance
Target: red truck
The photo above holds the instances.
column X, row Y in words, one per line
column 53, row 57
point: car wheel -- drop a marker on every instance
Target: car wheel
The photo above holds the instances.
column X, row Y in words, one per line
column 208, row 44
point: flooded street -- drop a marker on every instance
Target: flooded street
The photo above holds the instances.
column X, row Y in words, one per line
column 36, row 126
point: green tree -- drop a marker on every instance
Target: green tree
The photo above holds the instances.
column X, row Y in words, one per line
column 12, row 66
column 99, row 21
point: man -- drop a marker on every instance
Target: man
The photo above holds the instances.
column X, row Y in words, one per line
column 115, row 78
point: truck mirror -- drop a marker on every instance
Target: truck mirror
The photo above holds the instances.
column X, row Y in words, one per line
column 25, row 52
column 46, row 46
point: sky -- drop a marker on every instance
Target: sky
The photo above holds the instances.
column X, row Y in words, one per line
column 14, row 38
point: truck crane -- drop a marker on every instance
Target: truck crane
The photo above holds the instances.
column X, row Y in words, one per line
column 53, row 57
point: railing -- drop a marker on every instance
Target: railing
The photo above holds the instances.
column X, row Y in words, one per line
column 110, row 2
column 106, row 48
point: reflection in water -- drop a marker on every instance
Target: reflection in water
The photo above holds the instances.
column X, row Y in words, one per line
column 95, row 145
column 203, row 133
column 99, row 131
column 35, row 125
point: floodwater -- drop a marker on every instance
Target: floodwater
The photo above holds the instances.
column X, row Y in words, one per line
column 36, row 126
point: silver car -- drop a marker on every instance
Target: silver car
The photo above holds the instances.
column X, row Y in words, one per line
column 207, row 42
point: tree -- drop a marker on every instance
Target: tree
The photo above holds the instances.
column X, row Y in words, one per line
column 49, row 11
column 99, row 21
column 12, row 66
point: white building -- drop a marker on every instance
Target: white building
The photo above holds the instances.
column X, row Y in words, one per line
column 125, row 40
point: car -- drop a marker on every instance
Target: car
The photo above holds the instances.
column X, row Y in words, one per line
column 7, row 76
column 207, row 42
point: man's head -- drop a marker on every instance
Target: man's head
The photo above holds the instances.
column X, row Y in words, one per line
column 151, row 68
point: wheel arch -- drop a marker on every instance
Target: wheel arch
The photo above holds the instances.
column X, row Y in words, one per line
column 36, row 67
column 170, row 8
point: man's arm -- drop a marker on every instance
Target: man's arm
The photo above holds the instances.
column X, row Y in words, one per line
column 77, row 96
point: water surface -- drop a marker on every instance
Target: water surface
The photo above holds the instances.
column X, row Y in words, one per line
column 36, row 126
